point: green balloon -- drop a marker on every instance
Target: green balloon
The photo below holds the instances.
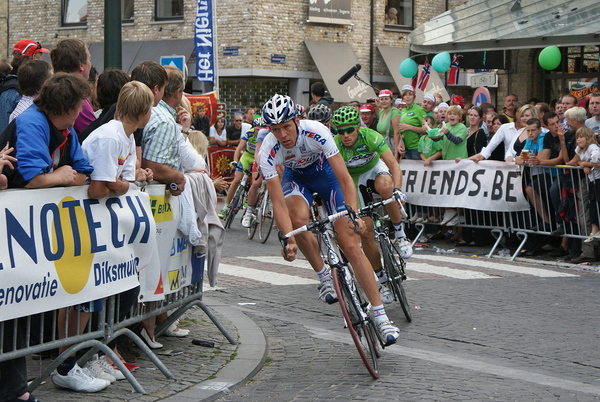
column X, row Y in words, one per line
column 550, row 57
column 408, row 68
column 441, row 62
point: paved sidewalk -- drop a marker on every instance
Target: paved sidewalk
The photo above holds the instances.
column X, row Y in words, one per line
column 201, row 373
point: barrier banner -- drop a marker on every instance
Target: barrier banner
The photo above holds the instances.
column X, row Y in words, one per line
column 218, row 161
column 485, row 186
column 60, row 250
column 210, row 102
column 174, row 254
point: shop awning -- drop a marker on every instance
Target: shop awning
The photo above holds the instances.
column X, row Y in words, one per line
column 333, row 60
column 509, row 24
column 393, row 56
column 136, row 52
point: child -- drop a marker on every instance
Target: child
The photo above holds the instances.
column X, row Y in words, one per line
column 111, row 147
column 587, row 155
column 427, row 146
column 454, row 140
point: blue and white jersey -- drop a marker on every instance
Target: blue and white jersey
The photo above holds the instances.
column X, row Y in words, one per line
column 314, row 146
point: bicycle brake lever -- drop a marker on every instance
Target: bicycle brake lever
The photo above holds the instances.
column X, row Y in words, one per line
column 284, row 243
column 352, row 216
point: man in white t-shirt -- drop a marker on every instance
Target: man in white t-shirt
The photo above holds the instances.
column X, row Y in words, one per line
column 110, row 148
column 593, row 122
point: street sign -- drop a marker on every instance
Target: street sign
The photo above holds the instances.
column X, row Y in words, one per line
column 231, row 51
column 483, row 80
column 174, row 61
column 278, row 58
column 481, row 95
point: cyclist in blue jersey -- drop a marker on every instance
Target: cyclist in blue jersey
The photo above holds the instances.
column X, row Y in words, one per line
column 313, row 164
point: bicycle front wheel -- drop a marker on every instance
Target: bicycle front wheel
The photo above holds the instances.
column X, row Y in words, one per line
column 361, row 334
column 265, row 218
column 394, row 266
column 234, row 206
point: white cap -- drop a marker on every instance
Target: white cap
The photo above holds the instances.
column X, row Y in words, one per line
column 430, row 97
column 399, row 102
column 408, row 88
column 443, row 104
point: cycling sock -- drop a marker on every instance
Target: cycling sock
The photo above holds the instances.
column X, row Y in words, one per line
column 67, row 365
column 226, row 205
column 398, row 230
column 381, row 276
column 323, row 273
column 249, row 209
column 379, row 313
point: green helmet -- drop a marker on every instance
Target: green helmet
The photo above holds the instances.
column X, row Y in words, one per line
column 345, row 115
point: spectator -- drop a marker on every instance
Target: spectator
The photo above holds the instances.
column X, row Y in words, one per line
column 594, row 108
column 201, row 120
column 317, row 94
column 542, row 108
column 442, row 109
column 23, row 51
column 389, row 122
column 568, row 101
column 427, row 146
column 72, row 56
column 5, row 68
column 391, row 17
column 218, row 133
column 510, row 107
column 368, row 118
column 525, row 113
column 234, row 131
column 249, row 116
column 32, row 76
column 428, row 104
column 410, row 123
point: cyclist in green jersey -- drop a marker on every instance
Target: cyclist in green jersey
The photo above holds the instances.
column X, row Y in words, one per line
column 371, row 164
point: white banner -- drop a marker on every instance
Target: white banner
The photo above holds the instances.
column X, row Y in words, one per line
column 485, row 186
column 58, row 250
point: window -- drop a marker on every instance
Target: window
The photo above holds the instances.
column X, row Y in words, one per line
column 127, row 10
column 169, row 10
column 74, row 12
column 399, row 14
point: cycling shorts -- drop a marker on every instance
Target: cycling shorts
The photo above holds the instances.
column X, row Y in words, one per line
column 367, row 180
column 245, row 162
column 323, row 182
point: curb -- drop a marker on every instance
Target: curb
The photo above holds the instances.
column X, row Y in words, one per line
column 251, row 352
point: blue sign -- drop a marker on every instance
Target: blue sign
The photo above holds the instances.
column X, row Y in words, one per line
column 204, row 41
column 278, row 58
column 482, row 70
column 174, row 61
column 231, row 51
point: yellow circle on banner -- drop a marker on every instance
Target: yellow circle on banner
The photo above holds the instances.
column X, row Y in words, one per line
column 73, row 270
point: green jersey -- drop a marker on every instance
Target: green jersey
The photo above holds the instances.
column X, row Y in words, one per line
column 413, row 116
column 365, row 153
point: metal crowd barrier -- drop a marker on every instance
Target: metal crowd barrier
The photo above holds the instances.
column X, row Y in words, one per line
column 558, row 196
column 35, row 334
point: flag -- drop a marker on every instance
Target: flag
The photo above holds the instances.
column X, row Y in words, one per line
column 454, row 70
column 414, row 81
column 424, row 76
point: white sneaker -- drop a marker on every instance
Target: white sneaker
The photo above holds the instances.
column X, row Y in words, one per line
column 389, row 332
column 108, row 368
column 247, row 219
column 448, row 216
column 78, row 380
column 94, row 368
column 404, row 248
column 386, row 294
column 415, row 217
column 327, row 293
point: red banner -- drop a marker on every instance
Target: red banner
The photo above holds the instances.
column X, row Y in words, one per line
column 209, row 100
column 218, row 161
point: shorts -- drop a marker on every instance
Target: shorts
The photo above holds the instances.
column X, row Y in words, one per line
column 245, row 162
column 323, row 182
column 366, row 181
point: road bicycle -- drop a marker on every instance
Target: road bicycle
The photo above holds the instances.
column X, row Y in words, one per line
column 262, row 218
column 356, row 309
column 392, row 262
column 237, row 201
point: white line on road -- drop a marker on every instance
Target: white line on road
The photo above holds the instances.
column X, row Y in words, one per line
column 445, row 271
column 470, row 364
column 274, row 278
column 479, row 263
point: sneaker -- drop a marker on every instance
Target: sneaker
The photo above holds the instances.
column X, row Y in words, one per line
column 78, row 380
column 327, row 291
column 94, row 369
column 108, row 368
column 448, row 216
column 175, row 331
column 223, row 212
column 247, row 219
column 404, row 248
column 386, row 294
column 389, row 333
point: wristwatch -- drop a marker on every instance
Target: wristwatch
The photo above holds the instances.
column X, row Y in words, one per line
column 186, row 132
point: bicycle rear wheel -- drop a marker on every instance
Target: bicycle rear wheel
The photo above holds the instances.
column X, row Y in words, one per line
column 265, row 218
column 255, row 216
column 359, row 330
column 394, row 266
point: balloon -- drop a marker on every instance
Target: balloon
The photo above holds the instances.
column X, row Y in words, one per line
column 441, row 62
column 408, row 68
column 550, row 58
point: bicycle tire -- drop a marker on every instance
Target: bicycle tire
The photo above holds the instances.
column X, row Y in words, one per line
column 360, row 332
column 265, row 219
column 234, row 206
column 254, row 224
column 394, row 266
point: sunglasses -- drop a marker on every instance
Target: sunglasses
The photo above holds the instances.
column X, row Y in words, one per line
column 347, row 130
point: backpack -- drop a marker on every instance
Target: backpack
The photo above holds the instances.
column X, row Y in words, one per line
column 9, row 82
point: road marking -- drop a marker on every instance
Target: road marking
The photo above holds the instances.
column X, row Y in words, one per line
column 479, row 263
column 273, row 278
column 468, row 364
column 272, row 259
column 445, row 271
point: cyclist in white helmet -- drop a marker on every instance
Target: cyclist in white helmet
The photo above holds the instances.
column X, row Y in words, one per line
column 313, row 164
